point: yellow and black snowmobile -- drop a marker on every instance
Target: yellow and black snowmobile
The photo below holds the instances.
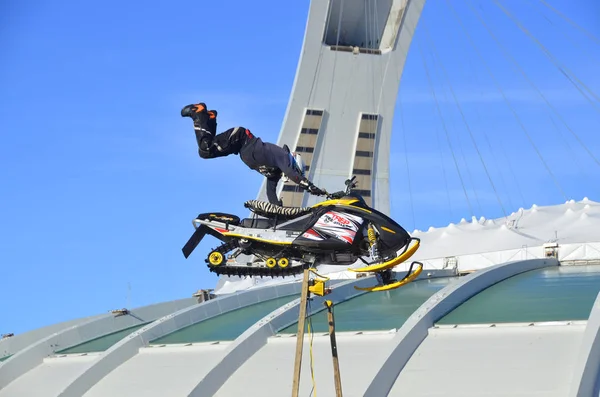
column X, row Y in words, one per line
column 285, row 240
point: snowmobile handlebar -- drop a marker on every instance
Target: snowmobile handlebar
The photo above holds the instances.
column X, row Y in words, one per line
column 350, row 184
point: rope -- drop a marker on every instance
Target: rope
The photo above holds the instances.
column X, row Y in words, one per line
column 437, row 62
column 474, row 72
column 468, row 127
column 439, row 142
column 563, row 32
column 507, row 55
column 319, row 60
column 412, row 207
column 445, row 128
column 503, row 151
column 590, row 35
column 499, row 88
column 312, row 335
column 563, row 69
column 383, row 72
column 565, row 141
column 324, row 137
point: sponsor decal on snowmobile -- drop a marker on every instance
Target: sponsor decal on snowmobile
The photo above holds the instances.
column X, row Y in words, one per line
column 312, row 235
column 339, row 225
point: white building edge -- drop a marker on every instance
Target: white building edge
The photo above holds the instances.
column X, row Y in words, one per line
column 419, row 358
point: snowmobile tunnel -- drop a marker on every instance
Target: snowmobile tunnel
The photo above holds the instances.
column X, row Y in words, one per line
column 561, row 293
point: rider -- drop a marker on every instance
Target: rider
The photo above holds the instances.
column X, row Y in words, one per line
column 270, row 160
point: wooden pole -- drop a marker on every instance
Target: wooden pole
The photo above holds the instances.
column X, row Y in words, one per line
column 300, row 334
column 336, row 365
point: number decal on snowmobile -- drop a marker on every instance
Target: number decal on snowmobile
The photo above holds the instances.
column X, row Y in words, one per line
column 339, row 225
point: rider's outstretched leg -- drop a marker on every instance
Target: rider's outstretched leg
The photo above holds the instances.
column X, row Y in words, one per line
column 211, row 144
column 205, row 125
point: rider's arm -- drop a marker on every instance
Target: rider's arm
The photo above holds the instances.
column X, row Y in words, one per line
column 283, row 162
column 272, row 191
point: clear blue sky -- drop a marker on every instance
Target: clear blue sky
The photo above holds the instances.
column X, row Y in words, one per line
column 100, row 176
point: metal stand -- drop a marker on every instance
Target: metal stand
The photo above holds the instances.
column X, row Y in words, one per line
column 309, row 286
column 336, row 365
column 300, row 334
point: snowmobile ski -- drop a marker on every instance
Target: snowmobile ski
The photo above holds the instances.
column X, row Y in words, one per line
column 410, row 276
column 409, row 251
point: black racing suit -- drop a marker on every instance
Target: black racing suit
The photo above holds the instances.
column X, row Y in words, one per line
column 270, row 160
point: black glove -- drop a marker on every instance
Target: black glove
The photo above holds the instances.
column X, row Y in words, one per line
column 312, row 189
column 315, row 190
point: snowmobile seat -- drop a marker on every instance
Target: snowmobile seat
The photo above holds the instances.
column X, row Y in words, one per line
column 220, row 217
column 258, row 223
column 268, row 210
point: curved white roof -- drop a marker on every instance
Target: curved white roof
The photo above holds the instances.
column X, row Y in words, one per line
column 568, row 223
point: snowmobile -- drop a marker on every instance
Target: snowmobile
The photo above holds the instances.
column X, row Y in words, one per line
column 284, row 241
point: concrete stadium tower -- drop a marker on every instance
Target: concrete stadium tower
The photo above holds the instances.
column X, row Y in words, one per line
column 340, row 112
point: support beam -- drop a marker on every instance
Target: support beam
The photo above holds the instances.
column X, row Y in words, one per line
column 33, row 355
column 12, row 345
column 586, row 374
column 416, row 327
column 300, row 334
column 173, row 321
column 334, row 354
